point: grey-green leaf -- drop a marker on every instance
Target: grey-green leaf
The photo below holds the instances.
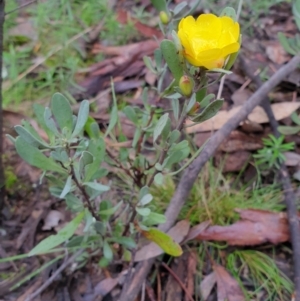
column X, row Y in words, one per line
column 97, row 186
column 107, row 251
column 160, row 126
column 210, row 111
column 28, row 137
column 160, row 5
column 35, row 157
column 82, row 117
column 62, row 111
column 131, row 114
column 55, row 240
column 67, row 187
column 171, row 56
column 146, row 199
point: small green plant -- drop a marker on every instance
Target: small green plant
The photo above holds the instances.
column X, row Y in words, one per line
column 76, row 165
column 271, row 155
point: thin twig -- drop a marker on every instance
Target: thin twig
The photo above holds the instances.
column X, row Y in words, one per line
column 54, row 275
column 178, row 281
column 289, row 195
column 84, row 194
column 2, row 179
column 133, row 286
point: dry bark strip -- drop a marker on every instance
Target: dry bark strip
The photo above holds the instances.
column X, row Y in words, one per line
column 135, row 280
column 289, row 195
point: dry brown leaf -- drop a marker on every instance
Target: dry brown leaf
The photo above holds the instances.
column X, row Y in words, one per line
column 281, row 110
column 238, row 141
column 124, row 17
column 291, row 159
column 207, row 285
column 178, row 233
column 232, row 162
column 228, row 288
column 255, row 227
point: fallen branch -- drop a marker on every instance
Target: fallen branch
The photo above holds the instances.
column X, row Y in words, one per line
column 134, row 281
column 289, row 195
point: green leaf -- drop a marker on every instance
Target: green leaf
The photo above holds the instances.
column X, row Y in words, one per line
column 131, row 114
column 97, row 149
column 110, row 211
column 62, row 236
column 127, row 242
column 86, row 159
column 28, row 137
column 148, row 63
column 74, row 203
column 39, row 112
column 67, row 187
column 158, row 58
column 166, row 130
column 159, row 179
column 210, row 111
column 97, row 186
column 82, row 117
column 50, row 123
column 163, row 240
column 174, row 136
column 206, row 100
column 285, row 42
column 171, row 56
column 36, row 158
column 107, row 251
column 33, row 132
column 160, row 126
column 91, row 127
column 289, row 130
column 176, row 157
column 296, row 12
column 295, row 118
column 191, row 103
column 179, row 7
column 62, row 111
column 114, row 112
column 229, row 12
column 146, row 199
column 143, row 211
column 136, row 137
column 200, row 95
column 154, row 218
column 144, row 190
column 175, row 108
column 160, row 5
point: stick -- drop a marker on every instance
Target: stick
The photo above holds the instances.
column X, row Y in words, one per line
column 289, row 195
column 54, row 275
column 133, row 285
column 2, row 180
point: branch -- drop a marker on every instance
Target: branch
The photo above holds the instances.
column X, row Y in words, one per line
column 2, row 180
column 289, row 195
column 134, row 283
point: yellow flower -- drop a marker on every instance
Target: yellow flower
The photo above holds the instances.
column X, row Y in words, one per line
column 208, row 40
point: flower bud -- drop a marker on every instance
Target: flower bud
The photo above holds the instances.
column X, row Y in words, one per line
column 164, row 18
column 186, row 85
